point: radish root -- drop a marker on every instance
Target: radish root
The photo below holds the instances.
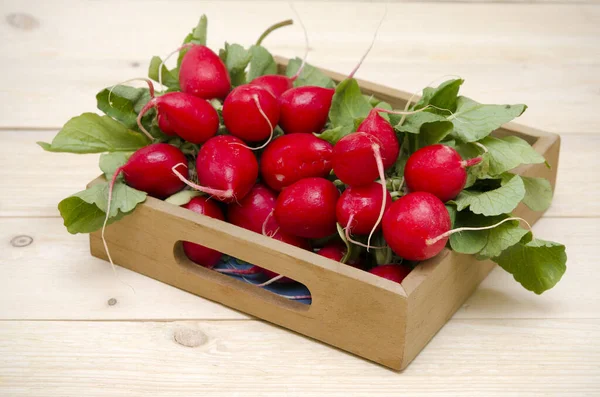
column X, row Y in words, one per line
column 295, row 76
column 148, row 81
column 162, row 63
column 221, row 194
column 270, row 281
column 347, row 231
column 151, row 103
column 351, row 75
column 431, row 241
column 262, row 113
column 110, row 191
column 381, row 171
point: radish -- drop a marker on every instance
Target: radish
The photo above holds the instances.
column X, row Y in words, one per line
column 292, row 157
column 197, row 253
column 191, row 118
column 412, row 226
column 226, row 169
column 392, row 272
column 252, row 211
column 276, row 84
column 379, row 127
column 359, row 206
column 203, row 74
column 336, row 251
column 149, row 170
column 307, row 208
column 250, row 113
column 305, row 109
column 357, row 162
column 437, row 169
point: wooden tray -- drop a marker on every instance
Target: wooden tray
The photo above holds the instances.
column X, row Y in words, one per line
column 351, row 309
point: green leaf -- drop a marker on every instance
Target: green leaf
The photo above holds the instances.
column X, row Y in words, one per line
column 82, row 217
column 261, row 63
column 125, row 104
column 509, row 152
column 333, row 135
column 348, row 104
column 474, row 121
column 183, row 197
column 310, row 75
column 351, row 249
column 91, row 133
column 494, row 202
column 84, row 212
column 538, row 193
column 432, row 133
column 481, row 170
column 442, row 97
column 109, row 162
column 412, row 124
column 124, row 198
column 486, row 243
column 169, row 77
column 402, row 158
column 537, row 265
column 236, row 59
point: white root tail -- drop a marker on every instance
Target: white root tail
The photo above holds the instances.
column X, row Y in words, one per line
column 221, row 194
column 351, row 75
column 110, row 191
column 348, row 235
column 381, row 171
column 301, row 68
column 270, row 281
column 260, row 109
column 162, row 63
column 434, row 240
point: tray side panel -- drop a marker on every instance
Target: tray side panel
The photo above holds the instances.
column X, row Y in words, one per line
column 351, row 309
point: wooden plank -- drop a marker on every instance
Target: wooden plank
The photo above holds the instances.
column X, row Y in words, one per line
column 56, row 176
column 56, row 278
column 467, row 358
column 546, row 57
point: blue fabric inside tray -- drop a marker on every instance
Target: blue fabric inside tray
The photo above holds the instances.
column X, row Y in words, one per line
column 284, row 289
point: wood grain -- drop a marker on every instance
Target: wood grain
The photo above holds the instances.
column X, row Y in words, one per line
column 513, row 58
column 467, row 358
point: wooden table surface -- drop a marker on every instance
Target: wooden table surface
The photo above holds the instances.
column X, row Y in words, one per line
column 68, row 327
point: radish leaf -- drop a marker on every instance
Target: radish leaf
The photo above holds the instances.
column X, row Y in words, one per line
column 236, row 59
column 442, row 97
column 348, row 104
column 538, row 193
column 509, row 152
column 91, row 133
column 310, row 75
column 493, row 202
column 474, row 121
column 538, row 265
column 261, row 62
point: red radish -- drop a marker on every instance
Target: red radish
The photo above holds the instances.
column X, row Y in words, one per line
column 437, row 169
column 250, row 113
column 413, row 222
column 203, row 74
column 197, row 253
column 292, row 157
column 305, row 109
column 354, row 159
column 376, row 125
column 359, row 206
column 252, row 211
column 226, row 169
column 357, row 162
column 392, row 272
column 149, row 170
column 276, row 84
column 307, row 208
column 191, row 118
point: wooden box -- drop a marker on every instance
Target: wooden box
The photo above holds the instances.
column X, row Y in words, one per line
column 351, row 309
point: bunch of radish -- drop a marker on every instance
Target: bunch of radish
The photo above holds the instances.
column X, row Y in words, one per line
column 259, row 155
